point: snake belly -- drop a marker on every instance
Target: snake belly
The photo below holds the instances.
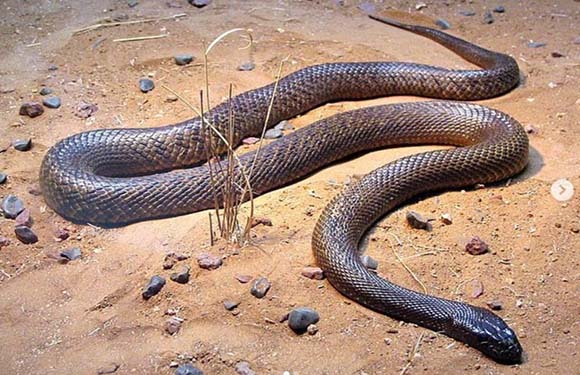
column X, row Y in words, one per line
column 119, row 176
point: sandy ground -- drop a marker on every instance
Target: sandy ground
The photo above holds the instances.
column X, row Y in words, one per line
column 79, row 317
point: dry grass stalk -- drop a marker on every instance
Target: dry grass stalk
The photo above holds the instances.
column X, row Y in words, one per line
column 113, row 24
column 138, row 38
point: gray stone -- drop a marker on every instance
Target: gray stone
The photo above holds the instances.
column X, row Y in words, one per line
column 12, row 206
column 3, row 178
column 52, row 68
column 22, row 144
column 247, row 66
column 188, row 369
column 467, row 13
column 417, row 221
column 199, row 3
column 153, row 287
column 243, row 368
column 284, row 125
column 25, row 235
column 52, row 102
column 173, row 325
column 273, row 133
column 230, row 305
column 209, row 261
column 369, row 262
column 499, row 9
column 300, row 318
column 260, row 287
column 146, row 85
column 71, row 254
column 443, row 24
column 488, row 18
column 181, row 277
column 31, row 109
column 132, row 3
column 45, row 91
column 183, row 59
column 536, row 44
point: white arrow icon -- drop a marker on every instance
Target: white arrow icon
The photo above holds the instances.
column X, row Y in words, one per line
column 562, row 190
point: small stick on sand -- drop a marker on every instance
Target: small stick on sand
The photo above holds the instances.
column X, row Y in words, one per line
column 137, row 38
column 112, row 24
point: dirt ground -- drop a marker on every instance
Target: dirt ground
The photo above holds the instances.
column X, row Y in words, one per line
column 88, row 314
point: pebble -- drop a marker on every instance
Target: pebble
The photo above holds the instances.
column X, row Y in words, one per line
column 530, row 129
column 181, row 277
column 31, row 109
column 171, row 98
column 312, row 329
column 45, row 91
column 261, row 221
column 476, row 288
column 247, row 66
column 85, row 110
column 22, row 144
column 183, row 59
column 3, row 178
column 557, row 55
column 4, row 241
column 111, row 368
column 173, row 325
column 273, row 133
column 25, row 235
column 155, row 285
column 495, row 305
column 499, row 9
column 488, row 18
column 533, row 44
column 314, row 273
column 476, row 246
column 443, row 24
column 51, row 102
column 369, row 262
column 260, row 287
column 467, row 13
column 199, row 3
column 132, row 3
column 446, row 219
column 243, row 279
column 243, row 368
column 284, row 125
column 52, row 67
column 230, row 305
column 61, row 234
column 146, row 85
column 188, row 369
column 300, row 318
column 250, row 140
column 24, row 218
column 12, row 206
column 209, row 261
column 73, row 253
column 417, row 221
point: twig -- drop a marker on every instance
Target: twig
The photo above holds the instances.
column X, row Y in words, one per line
column 113, row 24
column 210, row 230
column 137, row 38
column 412, row 355
column 406, row 267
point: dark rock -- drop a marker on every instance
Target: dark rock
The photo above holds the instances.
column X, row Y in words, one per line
column 557, row 55
column 172, row 258
column 85, row 110
column 12, row 206
column 273, row 133
column 52, row 102
column 25, row 235
column 24, row 218
column 476, row 246
column 155, row 285
column 417, row 221
column 22, row 144
column 45, row 91
column 173, row 325
column 530, row 129
column 132, row 3
column 181, row 277
column 199, row 3
column 300, row 318
column 369, row 262
column 146, row 85
column 61, row 234
column 284, row 125
column 250, row 140
column 247, row 66
column 111, row 368
column 467, row 13
column 261, row 221
column 260, row 287
column 209, row 261
column 243, row 368
column 488, row 18
column 183, row 59
column 31, row 109
column 443, row 24
column 4, row 241
column 446, row 219
column 495, row 305
column 533, row 44
column 499, row 9
column 230, row 305
column 3, row 178
column 188, row 369
column 243, row 278
column 314, row 273
column 71, row 254
column 52, row 67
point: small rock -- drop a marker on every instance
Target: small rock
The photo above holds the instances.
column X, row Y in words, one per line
column 284, row 125
column 499, row 9
column 181, row 277
column 261, row 220
column 132, row 3
column 273, row 133
column 111, row 368
column 557, row 54
column 314, row 273
column 24, row 218
column 187, row 368
column 230, row 305
column 45, row 91
column 519, row 302
column 34, row 190
column 247, row 66
column 312, row 329
column 577, row 40
column 530, row 129
column 155, row 285
column 300, row 318
column 488, row 17
column 146, row 85
column 476, row 288
column 71, row 254
column 260, row 287
column 369, row 262
column 12, row 206
column 171, row 98
column 85, row 110
column 420, row 6
column 3, row 178
column 209, row 261
column 367, row 7
column 243, row 279
column 417, row 221
column 443, row 24
column 183, row 59
column 250, row 140
column 61, row 234
column 446, row 219
column 25, row 235
column 199, row 3
column 243, row 368
column 52, row 67
column 4, row 241
column 51, row 102
column 476, row 246
column 173, row 325
column 495, row 305
column 172, row 258
column 533, row 44
column 31, row 109
column 22, row 144
column 467, row 13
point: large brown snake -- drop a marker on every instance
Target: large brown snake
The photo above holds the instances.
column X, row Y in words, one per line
column 119, row 176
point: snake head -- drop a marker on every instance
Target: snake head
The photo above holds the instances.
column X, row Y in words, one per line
column 487, row 332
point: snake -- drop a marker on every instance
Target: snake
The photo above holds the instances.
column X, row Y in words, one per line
column 118, row 176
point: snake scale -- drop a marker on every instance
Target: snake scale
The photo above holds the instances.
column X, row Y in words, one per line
column 119, row 176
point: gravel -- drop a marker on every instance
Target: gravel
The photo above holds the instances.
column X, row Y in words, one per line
column 52, row 102
column 25, row 235
column 153, row 287
column 31, row 109
column 300, row 318
column 146, row 85
column 12, row 206
column 260, row 287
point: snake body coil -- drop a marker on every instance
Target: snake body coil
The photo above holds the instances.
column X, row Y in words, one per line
column 119, row 176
